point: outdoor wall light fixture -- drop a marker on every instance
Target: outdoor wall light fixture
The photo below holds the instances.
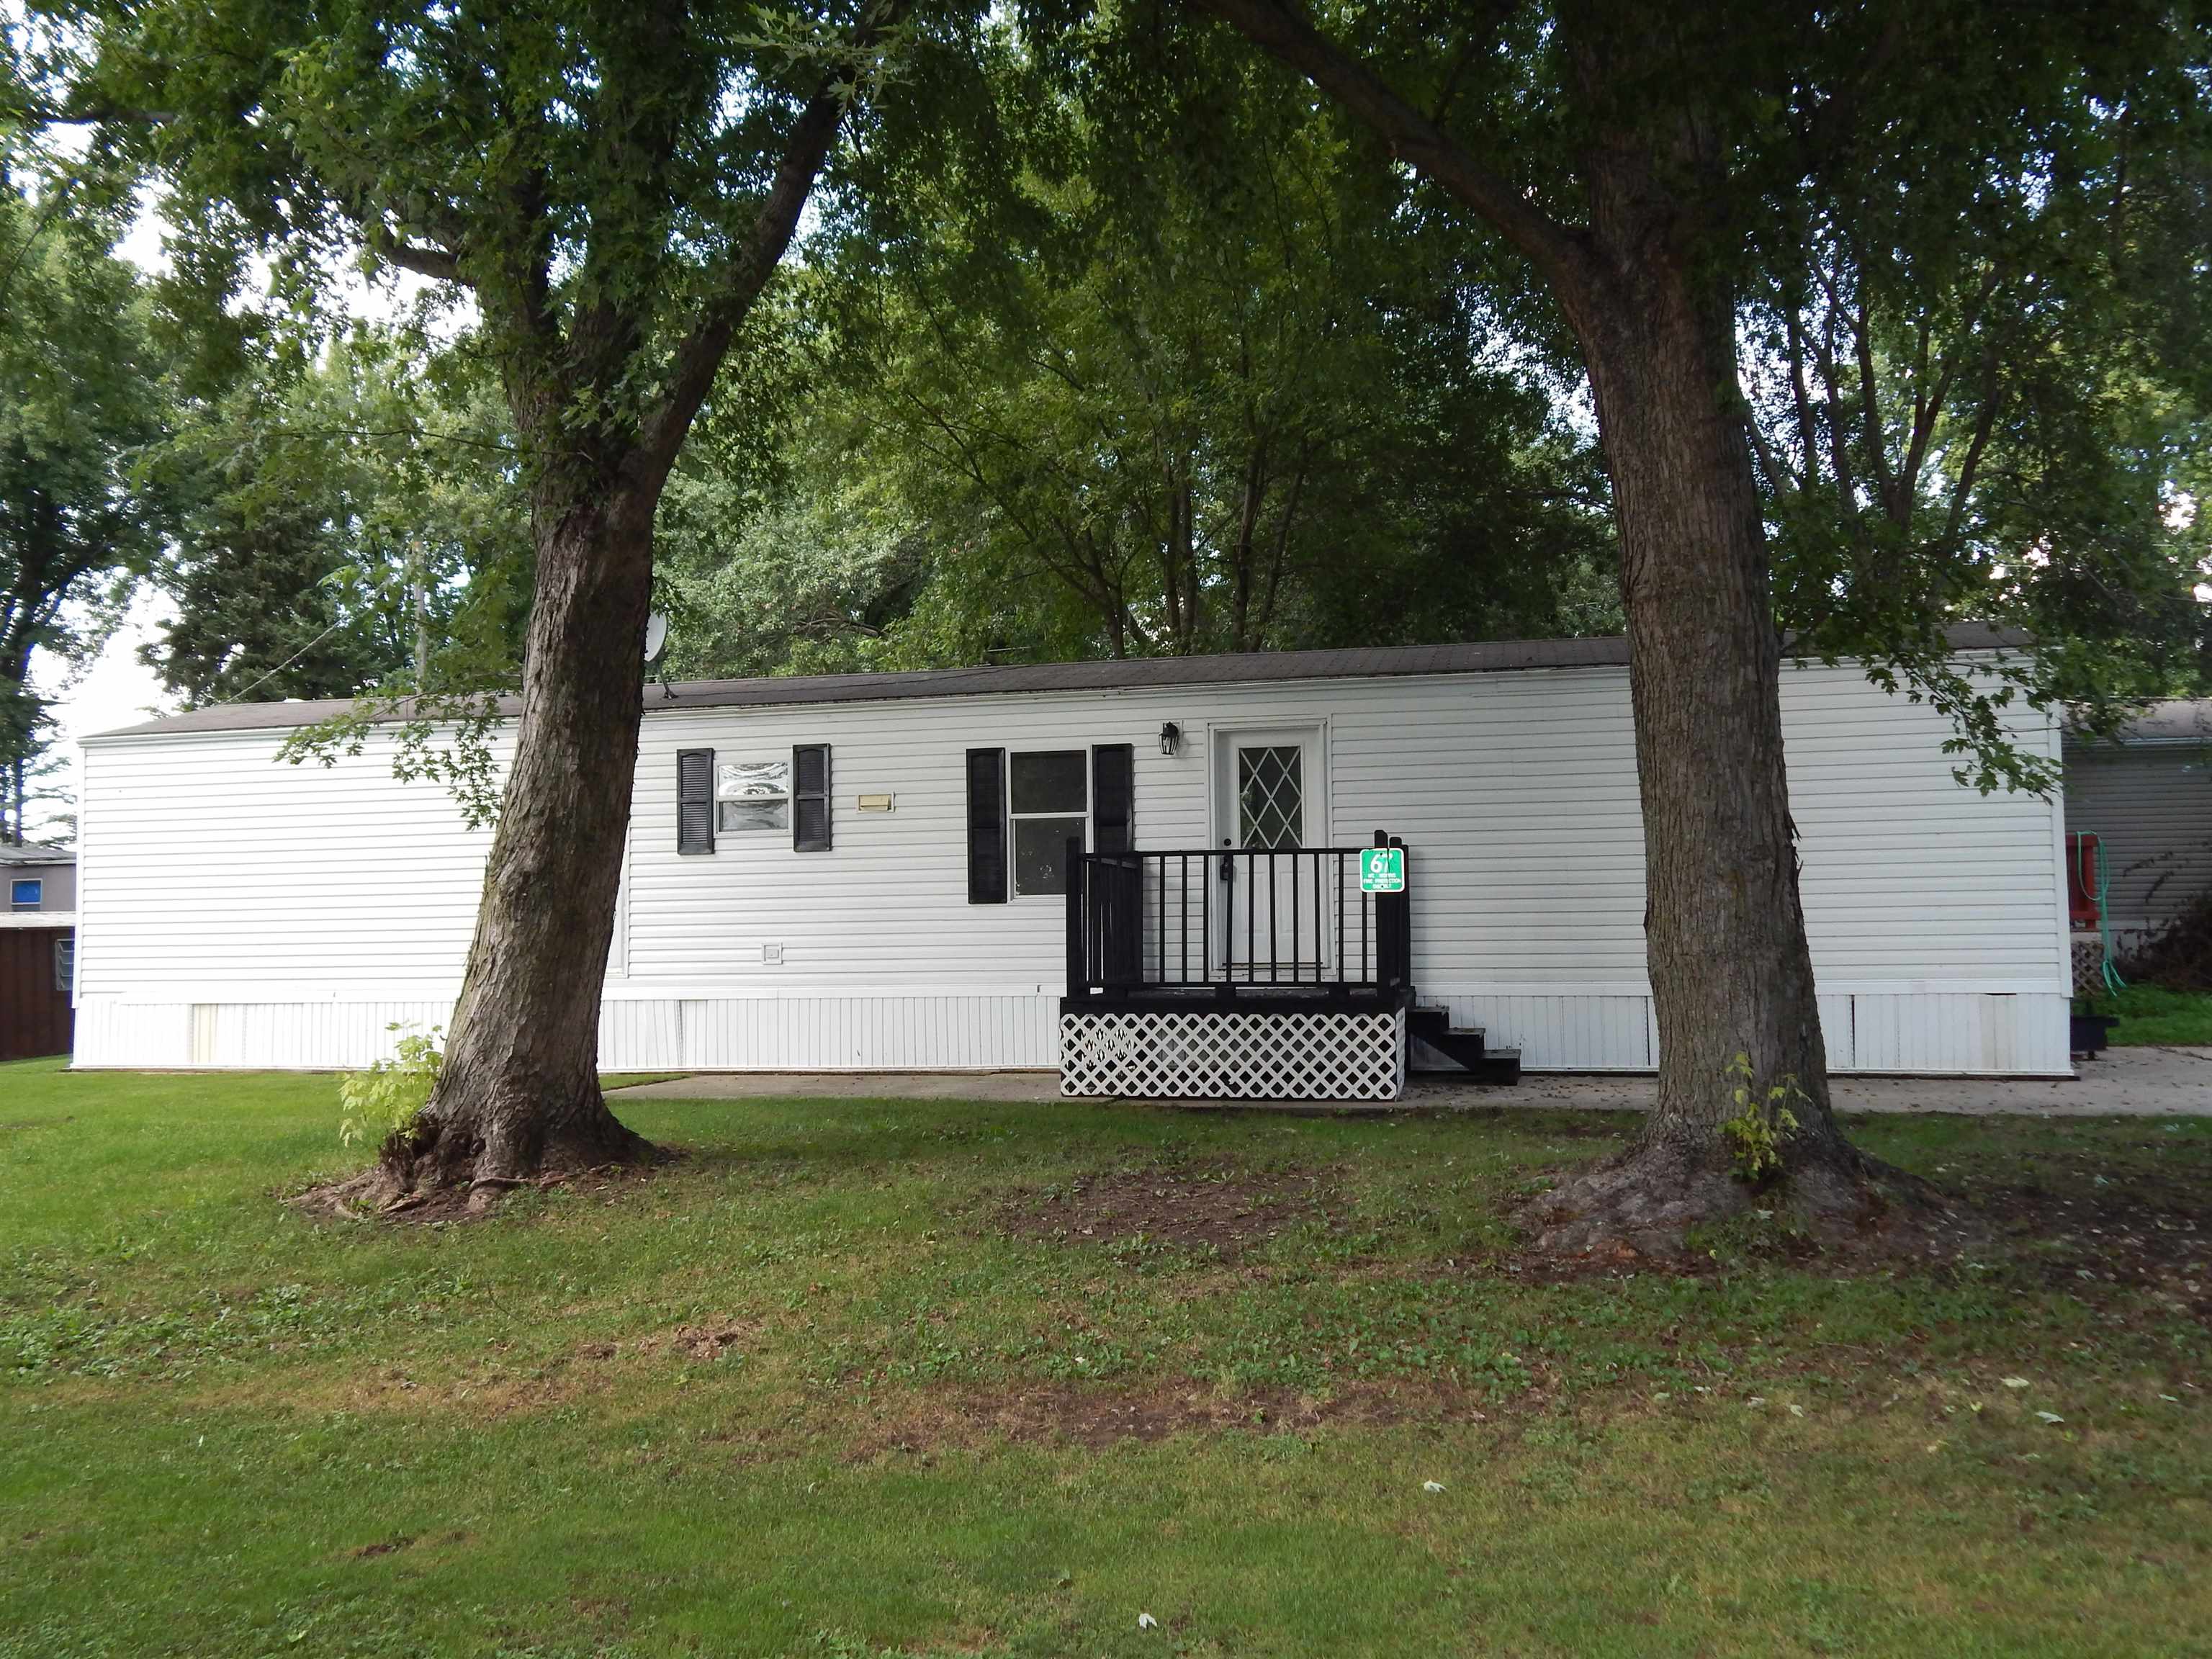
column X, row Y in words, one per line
column 1170, row 737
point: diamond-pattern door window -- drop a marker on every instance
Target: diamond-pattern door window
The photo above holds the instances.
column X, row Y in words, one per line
column 1271, row 795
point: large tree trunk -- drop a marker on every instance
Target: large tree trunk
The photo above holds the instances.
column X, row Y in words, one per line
column 519, row 1091
column 1724, row 930
column 1731, row 973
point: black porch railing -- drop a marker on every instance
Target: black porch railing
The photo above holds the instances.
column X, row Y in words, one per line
column 1233, row 920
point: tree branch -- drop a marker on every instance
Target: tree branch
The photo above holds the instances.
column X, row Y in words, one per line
column 743, row 277
column 1984, row 422
column 1558, row 250
column 1800, row 397
column 439, row 265
column 1936, row 399
column 1282, row 545
column 41, row 112
column 1778, row 473
column 1875, row 436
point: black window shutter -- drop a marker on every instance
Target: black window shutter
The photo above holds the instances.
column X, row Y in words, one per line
column 695, row 800
column 810, row 797
column 1113, row 790
column 986, row 826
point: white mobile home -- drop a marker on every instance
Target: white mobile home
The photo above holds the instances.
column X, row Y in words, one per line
column 870, row 871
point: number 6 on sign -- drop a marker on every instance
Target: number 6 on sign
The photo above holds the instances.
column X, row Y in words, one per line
column 1383, row 870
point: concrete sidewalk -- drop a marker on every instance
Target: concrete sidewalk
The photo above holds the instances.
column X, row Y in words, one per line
column 2126, row 1082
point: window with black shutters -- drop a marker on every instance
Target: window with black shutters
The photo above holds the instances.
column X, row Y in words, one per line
column 695, row 800
column 986, row 826
column 810, row 797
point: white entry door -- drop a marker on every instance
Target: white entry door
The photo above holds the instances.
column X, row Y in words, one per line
column 1276, row 912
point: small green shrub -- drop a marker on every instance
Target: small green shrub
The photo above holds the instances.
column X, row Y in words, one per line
column 378, row 1103
column 1761, row 1123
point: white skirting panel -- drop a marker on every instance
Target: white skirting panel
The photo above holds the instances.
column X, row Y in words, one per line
column 1561, row 1033
column 1972, row 1032
column 830, row 1033
column 112, row 1033
column 1918, row 1033
column 248, row 1036
column 1836, row 1026
column 663, row 1034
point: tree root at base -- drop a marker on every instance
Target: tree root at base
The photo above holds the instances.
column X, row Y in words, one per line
column 1647, row 1201
column 427, row 1177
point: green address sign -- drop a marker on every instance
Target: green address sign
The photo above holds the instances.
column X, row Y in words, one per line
column 1383, row 870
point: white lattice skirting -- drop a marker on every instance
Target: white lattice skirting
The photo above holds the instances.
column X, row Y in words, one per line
column 1222, row 1056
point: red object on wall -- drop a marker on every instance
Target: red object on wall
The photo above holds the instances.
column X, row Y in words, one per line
column 35, row 1015
column 2083, row 851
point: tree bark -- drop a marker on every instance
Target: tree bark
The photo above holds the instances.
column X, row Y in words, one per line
column 1731, row 973
column 519, row 1088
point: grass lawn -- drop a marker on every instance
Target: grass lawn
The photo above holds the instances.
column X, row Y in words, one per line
column 854, row 1378
column 2152, row 1016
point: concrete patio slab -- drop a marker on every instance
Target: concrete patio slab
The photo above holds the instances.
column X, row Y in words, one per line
column 2126, row 1082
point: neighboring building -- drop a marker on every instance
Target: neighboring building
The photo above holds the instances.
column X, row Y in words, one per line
column 868, row 870
column 41, row 879
column 37, row 950
column 2146, row 794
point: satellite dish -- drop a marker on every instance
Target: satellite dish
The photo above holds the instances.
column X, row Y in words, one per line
column 656, row 637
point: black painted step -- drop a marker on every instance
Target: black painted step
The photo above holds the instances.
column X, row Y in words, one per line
column 1433, row 1026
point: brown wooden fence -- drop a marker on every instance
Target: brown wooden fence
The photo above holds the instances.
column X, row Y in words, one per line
column 35, row 1017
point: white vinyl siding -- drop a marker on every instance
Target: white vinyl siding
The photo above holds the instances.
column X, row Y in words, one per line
column 342, row 891
column 221, row 868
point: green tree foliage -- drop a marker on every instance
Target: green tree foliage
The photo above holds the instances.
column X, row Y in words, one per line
column 83, row 389
column 352, row 522
column 817, row 575
column 1973, row 230
column 1977, row 364
column 1217, row 395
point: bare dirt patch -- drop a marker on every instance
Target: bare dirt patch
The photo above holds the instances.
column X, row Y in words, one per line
column 1873, row 1242
column 2156, row 1236
column 2128, row 1231
column 1075, row 1414
column 708, row 1341
column 1617, row 1260
column 1219, row 1210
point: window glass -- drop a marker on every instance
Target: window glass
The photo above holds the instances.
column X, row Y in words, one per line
column 25, row 895
column 1271, row 795
column 64, row 965
column 752, row 780
column 1048, row 794
column 735, row 817
column 1041, row 854
column 1051, row 782
column 751, row 795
